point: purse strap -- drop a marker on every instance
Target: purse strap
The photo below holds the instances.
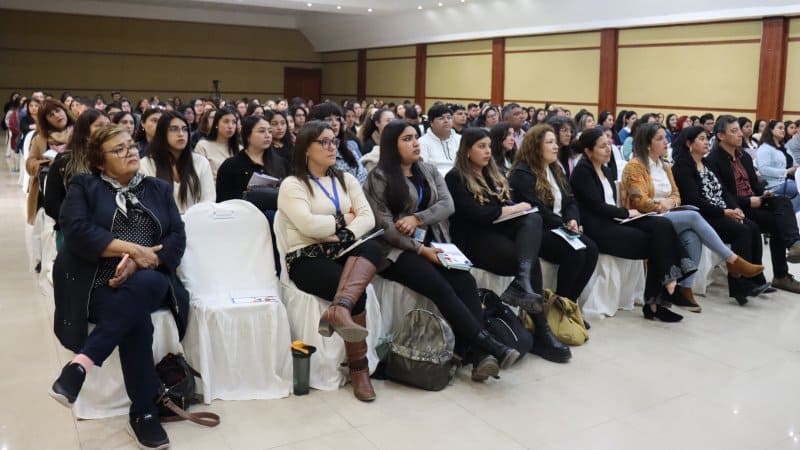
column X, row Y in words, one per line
column 206, row 419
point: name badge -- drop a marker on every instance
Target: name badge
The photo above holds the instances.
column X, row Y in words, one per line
column 419, row 234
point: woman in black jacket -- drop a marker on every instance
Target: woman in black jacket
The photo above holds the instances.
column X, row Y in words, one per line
column 511, row 247
column 700, row 187
column 652, row 238
column 536, row 178
column 123, row 241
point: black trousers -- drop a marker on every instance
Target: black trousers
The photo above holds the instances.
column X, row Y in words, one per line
column 651, row 238
column 320, row 276
column 122, row 319
column 575, row 267
column 453, row 291
column 745, row 241
column 502, row 247
column 777, row 218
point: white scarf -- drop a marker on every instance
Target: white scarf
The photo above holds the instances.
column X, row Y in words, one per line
column 123, row 193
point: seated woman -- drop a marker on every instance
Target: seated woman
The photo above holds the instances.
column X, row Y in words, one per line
column 147, row 129
column 652, row 238
column 71, row 162
column 170, row 159
column 258, row 156
column 222, row 141
column 776, row 165
column 347, row 152
column 700, row 187
column 537, row 179
column 370, row 136
column 504, row 147
column 123, row 240
column 411, row 203
column 326, row 211
column 648, row 186
column 282, row 139
column 481, row 195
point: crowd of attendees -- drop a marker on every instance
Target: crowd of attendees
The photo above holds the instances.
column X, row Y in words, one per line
column 651, row 187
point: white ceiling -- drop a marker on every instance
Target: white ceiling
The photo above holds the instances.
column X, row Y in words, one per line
column 400, row 22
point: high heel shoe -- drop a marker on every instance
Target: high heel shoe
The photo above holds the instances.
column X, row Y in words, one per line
column 744, row 268
column 661, row 313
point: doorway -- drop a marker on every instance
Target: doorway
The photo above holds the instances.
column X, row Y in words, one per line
column 303, row 83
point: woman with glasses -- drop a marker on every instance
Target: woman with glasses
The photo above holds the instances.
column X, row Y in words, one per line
column 123, row 241
column 326, row 211
column 171, row 160
column 347, row 152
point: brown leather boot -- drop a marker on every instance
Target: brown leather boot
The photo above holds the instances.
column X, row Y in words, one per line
column 744, row 268
column 357, row 273
column 689, row 295
column 359, row 367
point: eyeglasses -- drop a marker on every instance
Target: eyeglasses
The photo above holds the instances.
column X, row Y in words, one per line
column 327, row 142
column 122, row 151
column 177, row 129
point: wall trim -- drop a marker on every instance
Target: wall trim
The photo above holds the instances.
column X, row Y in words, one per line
column 678, row 44
column 462, row 99
column 559, row 49
column 556, row 102
column 450, row 55
column 390, row 58
column 695, row 108
column 53, row 90
column 379, row 96
column 334, row 94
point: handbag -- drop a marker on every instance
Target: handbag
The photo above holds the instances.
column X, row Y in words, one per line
column 178, row 392
column 503, row 323
column 565, row 319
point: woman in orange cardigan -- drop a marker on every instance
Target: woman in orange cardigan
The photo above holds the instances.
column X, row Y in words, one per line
column 648, row 186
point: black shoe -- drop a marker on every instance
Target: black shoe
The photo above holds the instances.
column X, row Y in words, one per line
column 545, row 344
column 516, row 295
column 66, row 388
column 760, row 289
column 740, row 299
column 661, row 313
column 484, row 368
column 770, row 290
column 678, row 299
column 505, row 355
column 148, row 433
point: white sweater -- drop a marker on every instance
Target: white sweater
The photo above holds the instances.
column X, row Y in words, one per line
column 441, row 154
column 215, row 152
column 310, row 218
column 208, row 191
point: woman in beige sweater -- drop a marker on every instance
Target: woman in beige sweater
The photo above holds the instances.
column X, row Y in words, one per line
column 325, row 212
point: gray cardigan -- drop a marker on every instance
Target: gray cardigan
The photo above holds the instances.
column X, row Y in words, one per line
column 434, row 218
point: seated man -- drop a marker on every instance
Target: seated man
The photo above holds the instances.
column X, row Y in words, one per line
column 440, row 143
column 773, row 214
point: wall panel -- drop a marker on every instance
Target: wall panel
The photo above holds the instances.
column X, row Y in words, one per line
column 390, row 77
column 791, row 102
column 557, row 76
column 339, row 78
column 459, row 76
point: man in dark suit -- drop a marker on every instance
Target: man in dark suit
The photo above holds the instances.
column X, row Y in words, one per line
column 773, row 214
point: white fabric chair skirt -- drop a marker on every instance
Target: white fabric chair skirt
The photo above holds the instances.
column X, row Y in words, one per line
column 242, row 351
column 616, row 284
column 704, row 276
column 304, row 311
column 396, row 301
column 103, row 393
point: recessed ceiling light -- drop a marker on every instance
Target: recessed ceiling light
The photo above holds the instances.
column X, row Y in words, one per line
column 309, row 5
column 338, row 6
column 369, row 9
column 440, row 4
column 419, row 7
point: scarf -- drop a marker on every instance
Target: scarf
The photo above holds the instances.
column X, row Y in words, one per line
column 123, row 194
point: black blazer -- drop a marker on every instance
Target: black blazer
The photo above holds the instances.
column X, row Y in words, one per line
column 235, row 172
column 86, row 217
column 588, row 190
column 719, row 161
column 470, row 217
column 523, row 186
column 691, row 188
column 55, row 191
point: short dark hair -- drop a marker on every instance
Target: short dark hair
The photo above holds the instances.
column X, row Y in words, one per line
column 706, row 117
column 437, row 111
column 721, row 125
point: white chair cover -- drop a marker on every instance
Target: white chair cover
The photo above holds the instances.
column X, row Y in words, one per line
column 49, row 252
column 703, row 278
column 396, row 301
column 617, row 283
column 24, row 178
column 242, row 351
column 103, row 393
column 35, row 237
column 304, row 311
column 498, row 283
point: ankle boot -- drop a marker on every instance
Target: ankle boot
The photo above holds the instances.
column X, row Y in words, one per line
column 505, row 355
column 357, row 273
column 358, row 365
column 484, row 366
column 519, row 292
column 684, row 297
column 545, row 344
column 742, row 267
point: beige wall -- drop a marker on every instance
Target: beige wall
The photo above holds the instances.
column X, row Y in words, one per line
column 390, row 73
column 87, row 55
column 458, row 72
column 791, row 100
column 339, row 75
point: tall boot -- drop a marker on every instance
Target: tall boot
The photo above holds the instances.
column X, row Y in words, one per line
column 358, row 365
column 506, row 356
column 357, row 273
column 519, row 292
column 545, row 344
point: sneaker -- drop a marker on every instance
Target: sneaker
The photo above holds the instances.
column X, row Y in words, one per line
column 485, row 368
column 148, row 433
column 787, row 283
column 66, row 388
column 793, row 255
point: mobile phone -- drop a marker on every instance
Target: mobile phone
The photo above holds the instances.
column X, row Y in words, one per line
column 570, row 232
column 121, row 264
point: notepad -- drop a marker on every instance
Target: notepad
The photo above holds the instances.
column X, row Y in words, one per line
column 359, row 242
column 451, row 256
column 516, row 214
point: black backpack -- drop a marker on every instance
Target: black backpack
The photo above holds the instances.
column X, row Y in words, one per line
column 503, row 323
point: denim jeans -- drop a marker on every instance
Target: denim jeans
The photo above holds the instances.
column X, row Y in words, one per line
column 695, row 232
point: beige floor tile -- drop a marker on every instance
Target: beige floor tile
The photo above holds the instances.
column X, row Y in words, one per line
column 351, row 440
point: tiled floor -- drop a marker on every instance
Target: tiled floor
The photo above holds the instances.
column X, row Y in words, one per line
column 724, row 379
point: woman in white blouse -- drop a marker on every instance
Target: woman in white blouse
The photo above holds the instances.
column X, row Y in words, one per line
column 326, row 211
column 170, row 159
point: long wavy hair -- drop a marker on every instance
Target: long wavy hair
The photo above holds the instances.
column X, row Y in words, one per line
column 531, row 154
column 397, row 197
column 310, row 132
column 478, row 185
column 159, row 152
column 77, row 163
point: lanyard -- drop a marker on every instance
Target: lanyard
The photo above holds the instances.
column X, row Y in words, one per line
column 333, row 198
column 420, row 193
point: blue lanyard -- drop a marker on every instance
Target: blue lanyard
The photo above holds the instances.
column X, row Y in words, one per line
column 420, row 193
column 333, row 198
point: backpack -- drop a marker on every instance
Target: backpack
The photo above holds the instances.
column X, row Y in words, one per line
column 503, row 323
column 421, row 354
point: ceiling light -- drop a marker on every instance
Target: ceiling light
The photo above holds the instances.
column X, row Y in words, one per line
column 309, row 5
column 338, row 6
column 440, row 4
column 369, row 9
column 419, row 7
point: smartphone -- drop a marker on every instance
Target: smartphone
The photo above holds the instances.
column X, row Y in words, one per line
column 121, row 264
column 569, row 232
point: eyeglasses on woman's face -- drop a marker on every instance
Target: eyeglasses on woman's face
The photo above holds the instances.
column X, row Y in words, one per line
column 123, row 150
column 178, row 129
column 327, row 142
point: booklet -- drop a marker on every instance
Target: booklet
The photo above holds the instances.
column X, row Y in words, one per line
column 572, row 238
column 653, row 213
column 516, row 214
column 359, row 242
column 630, row 219
column 451, row 257
column 262, row 180
column 257, row 296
